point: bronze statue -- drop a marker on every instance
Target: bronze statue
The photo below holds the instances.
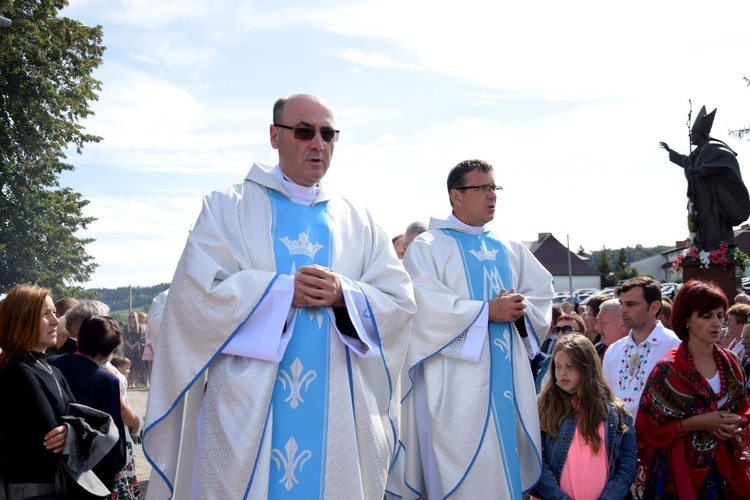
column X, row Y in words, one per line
column 718, row 199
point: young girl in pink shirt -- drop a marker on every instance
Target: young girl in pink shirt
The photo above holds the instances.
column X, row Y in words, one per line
column 588, row 439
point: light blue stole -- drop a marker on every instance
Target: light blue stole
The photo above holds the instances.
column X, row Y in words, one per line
column 301, row 237
column 487, row 272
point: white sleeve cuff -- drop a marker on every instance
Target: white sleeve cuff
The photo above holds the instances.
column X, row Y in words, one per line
column 367, row 345
column 266, row 333
column 468, row 345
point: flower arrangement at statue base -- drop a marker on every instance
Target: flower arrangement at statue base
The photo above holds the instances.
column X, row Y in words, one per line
column 722, row 256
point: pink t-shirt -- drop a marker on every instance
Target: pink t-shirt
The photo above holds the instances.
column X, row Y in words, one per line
column 584, row 474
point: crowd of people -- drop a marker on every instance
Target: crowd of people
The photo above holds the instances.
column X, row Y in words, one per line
column 303, row 353
column 680, row 370
column 71, row 430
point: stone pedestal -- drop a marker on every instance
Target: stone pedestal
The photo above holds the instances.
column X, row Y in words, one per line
column 728, row 278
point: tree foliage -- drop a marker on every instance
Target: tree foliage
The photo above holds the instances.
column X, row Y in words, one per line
column 624, row 271
column 119, row 299
column 616, row 267
column 46, row 84
column 604, row 265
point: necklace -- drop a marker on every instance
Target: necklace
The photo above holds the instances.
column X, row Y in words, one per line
column 45, row 368
column 719, row 365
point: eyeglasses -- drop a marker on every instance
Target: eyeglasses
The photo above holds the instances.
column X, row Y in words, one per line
column 484, row 189
column 307, row 133
column 563, row 329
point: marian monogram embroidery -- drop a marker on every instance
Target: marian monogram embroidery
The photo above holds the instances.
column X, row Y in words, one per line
column 290, row 462
column 297, row 380
column 483, row 253
column 493, row 283
column 302, row 245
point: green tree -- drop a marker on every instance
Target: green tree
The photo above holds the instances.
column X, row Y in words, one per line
column 46, row 83
column 604, row 266
column 624, row 271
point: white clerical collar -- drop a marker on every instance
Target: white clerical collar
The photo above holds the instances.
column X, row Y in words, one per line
column 301, row 195
column 469, row 229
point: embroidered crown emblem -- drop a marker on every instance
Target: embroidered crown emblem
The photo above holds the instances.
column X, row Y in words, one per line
column 301, row 245
column 483, row 253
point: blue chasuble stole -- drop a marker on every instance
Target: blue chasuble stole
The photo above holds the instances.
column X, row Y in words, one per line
column 301, row 237
column 487, row 272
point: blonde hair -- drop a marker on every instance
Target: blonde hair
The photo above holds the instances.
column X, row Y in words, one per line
column 555, row 404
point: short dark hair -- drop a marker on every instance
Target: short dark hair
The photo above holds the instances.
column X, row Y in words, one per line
column 99, row 336
column 695, row 296
column 594, row 302
column 278, row 109
column 64, row 305
column 651, row 289
column 457, row 175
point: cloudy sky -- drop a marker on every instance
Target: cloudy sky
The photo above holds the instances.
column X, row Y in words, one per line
column 568, row 101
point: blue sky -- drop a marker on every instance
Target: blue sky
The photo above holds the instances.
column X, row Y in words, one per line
column 568, row 101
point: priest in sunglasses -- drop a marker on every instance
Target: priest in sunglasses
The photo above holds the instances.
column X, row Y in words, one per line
column 276, row 372
column 470, row 425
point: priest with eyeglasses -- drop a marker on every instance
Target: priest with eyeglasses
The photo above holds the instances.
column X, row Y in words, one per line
column 470, row 426
column 276, row 370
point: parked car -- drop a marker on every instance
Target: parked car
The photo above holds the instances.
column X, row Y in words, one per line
column 560, row 297
column 609, row 292
column 584, row 293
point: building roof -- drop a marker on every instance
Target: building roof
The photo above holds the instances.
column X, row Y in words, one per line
column 554, row 257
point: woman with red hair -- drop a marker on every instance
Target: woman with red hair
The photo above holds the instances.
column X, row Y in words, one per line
column 34, row 396
column 694, row 412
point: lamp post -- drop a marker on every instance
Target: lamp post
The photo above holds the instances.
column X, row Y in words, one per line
column 5, row 22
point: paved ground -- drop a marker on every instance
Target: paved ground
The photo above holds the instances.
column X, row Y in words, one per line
column 138, row 398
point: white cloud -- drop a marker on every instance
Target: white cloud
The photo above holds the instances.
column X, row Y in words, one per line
column 377, row 60
column 568, row 100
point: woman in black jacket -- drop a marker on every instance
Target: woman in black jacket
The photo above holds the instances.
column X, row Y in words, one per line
column 34, row 395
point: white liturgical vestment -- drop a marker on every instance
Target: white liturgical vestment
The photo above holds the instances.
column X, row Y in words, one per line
column 450, row 443
column 228, row 320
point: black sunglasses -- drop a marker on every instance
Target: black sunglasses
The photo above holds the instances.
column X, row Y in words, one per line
column 564, row 329
column 302, row 133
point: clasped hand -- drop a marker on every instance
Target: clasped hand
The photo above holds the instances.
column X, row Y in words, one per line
column 724, row 425
column 316, row 286
column 507, row 306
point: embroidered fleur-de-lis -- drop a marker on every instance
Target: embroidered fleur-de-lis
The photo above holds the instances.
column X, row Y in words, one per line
column 290, row 462
column 503, row 344
column 296, row 381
